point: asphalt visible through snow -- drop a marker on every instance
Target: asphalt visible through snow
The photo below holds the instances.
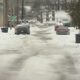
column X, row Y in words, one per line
column 42, row 55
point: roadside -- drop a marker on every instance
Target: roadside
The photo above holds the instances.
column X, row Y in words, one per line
column 42, row 55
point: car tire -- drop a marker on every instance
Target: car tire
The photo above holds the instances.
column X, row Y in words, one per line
column 28, row 30
column 57, row 32
column 17, row 32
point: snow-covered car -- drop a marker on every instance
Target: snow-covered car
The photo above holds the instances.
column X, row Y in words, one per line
column 66, row 22
column 22, row 28
column 61, row 30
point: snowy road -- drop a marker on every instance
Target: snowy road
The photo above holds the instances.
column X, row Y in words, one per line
column 43, row 55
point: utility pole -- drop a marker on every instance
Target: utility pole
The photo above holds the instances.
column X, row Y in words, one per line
column 58, row 4
column 17, row 5
column 5, row 13
column 22, row 16
column 65, row 4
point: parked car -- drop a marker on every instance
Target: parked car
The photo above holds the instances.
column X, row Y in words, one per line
column 61, row 30
column 22, row 28
column 4, row 29
column 56, row 26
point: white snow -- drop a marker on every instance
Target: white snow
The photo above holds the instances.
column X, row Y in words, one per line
column 42, row 59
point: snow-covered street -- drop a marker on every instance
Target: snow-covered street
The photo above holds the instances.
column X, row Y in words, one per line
column 42, row 55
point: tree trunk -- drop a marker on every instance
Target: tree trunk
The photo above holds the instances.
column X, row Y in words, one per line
column 5, row 12
column 17, row 11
